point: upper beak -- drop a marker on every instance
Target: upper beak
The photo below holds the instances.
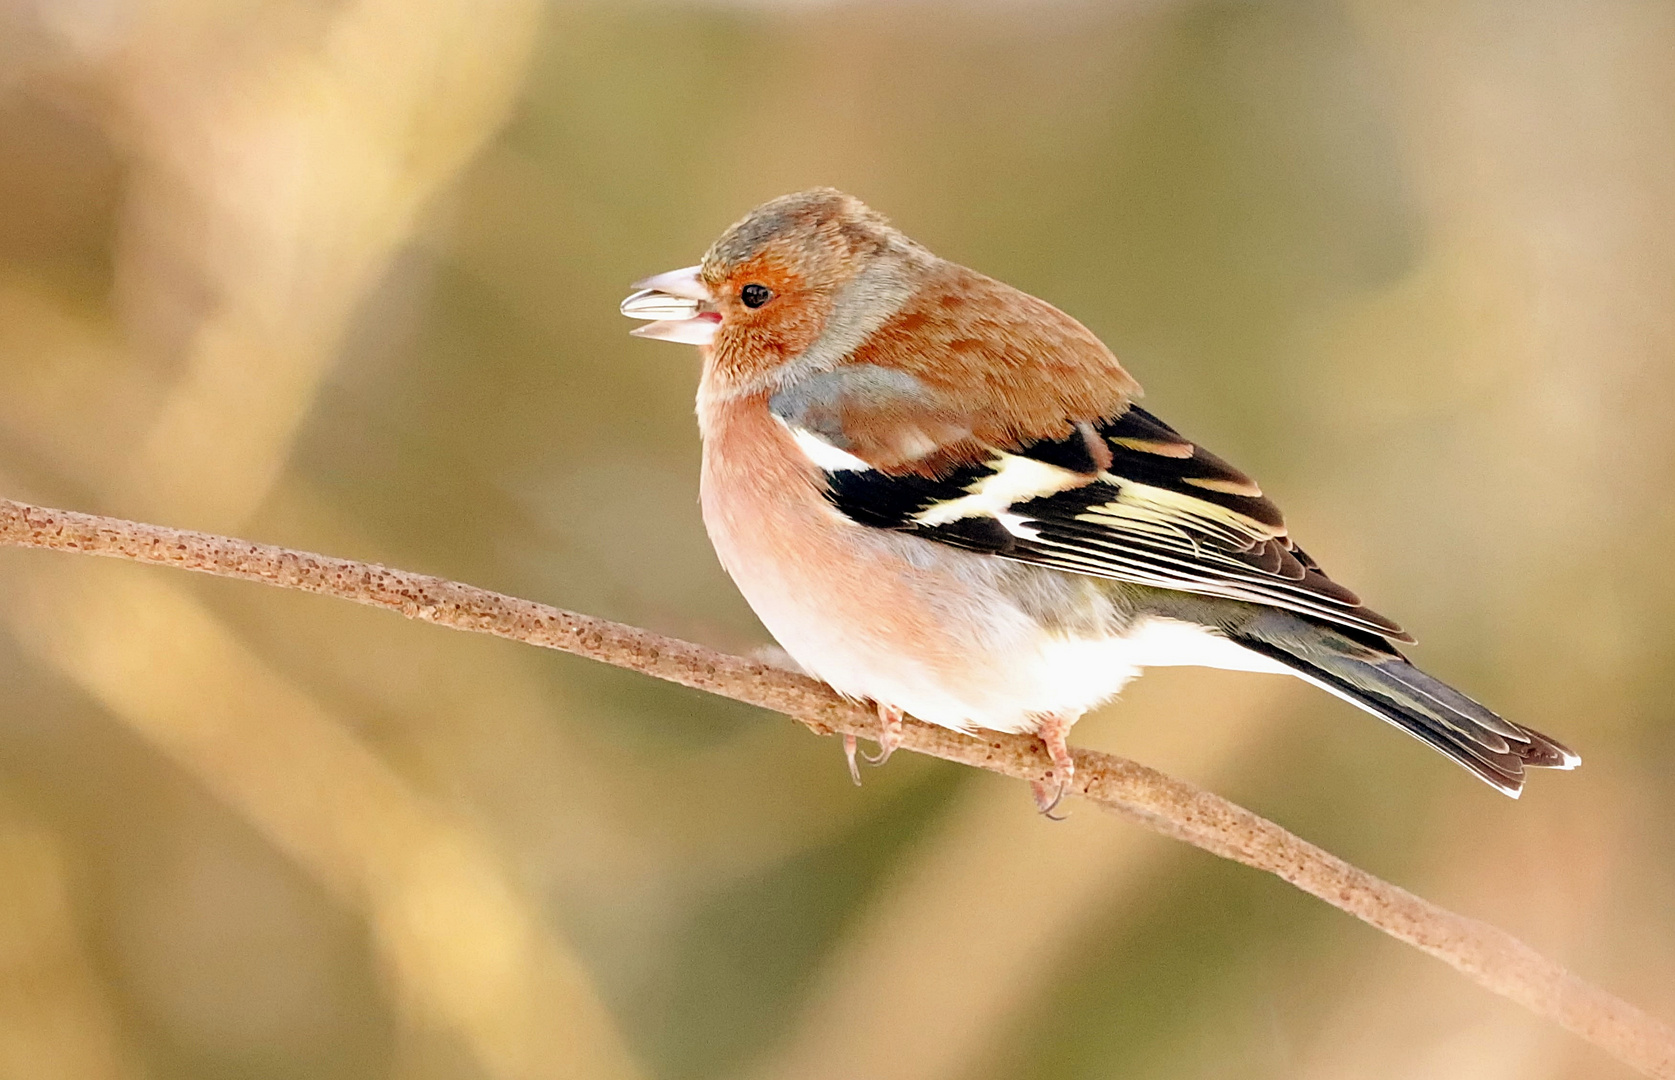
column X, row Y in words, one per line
column 680, row 305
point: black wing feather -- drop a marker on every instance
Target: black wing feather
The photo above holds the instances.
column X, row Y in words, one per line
column 1165, row 513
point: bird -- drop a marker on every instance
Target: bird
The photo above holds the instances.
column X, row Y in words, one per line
column 940, row 495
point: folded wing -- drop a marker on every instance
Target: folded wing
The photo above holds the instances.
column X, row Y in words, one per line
column 1124, row 497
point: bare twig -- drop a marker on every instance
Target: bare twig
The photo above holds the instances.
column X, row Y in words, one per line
column 1490, row 957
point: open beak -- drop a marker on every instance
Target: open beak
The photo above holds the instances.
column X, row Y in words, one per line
column 678, row 305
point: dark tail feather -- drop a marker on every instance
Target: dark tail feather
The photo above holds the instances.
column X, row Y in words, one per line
column 1497, row 750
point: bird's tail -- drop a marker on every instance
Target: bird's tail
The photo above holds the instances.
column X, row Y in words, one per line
column 1497, row 750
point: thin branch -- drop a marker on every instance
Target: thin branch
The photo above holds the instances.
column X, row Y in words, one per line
column 1490, row 957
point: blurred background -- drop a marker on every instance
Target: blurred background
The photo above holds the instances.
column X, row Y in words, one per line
column 343, row 275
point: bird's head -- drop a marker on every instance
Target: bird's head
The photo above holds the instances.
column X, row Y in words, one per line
column 817, row 264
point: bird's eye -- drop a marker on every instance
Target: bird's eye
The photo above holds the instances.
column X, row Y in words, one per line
column 754, row 295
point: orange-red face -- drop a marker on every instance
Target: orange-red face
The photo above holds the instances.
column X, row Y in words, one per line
column 767, row 288
column 772, row 309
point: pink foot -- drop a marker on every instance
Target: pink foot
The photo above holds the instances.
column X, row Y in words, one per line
column 889, row 733
column 849, row 755
column 1054, row 730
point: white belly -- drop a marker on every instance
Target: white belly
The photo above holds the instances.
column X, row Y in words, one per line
column 1008, row 689
column 995, row 669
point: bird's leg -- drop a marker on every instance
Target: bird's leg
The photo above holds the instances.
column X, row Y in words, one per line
column 889, row 733
column 1054, row 731
column 849, row 755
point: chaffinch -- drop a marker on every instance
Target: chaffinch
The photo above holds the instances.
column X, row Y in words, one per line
column 938, row 493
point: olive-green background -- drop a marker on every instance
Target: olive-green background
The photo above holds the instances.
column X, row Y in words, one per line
column 343, row 275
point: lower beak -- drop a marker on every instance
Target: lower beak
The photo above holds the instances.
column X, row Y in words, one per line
column 679, row 305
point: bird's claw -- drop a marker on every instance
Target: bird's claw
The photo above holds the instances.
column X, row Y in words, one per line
column 1047, row 798
column 889, row 734
column 889, row 738
column 1054, row 731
